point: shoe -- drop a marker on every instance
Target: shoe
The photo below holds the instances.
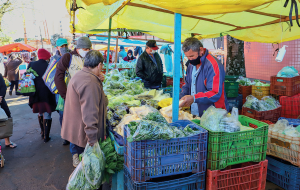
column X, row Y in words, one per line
column 66, row 142
column 10, row 93
column 47, row 127
column 75, row 160
column 41, row 122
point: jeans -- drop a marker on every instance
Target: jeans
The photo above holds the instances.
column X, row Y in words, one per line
column 74, row 149
column 14, row 84
column 46, row 115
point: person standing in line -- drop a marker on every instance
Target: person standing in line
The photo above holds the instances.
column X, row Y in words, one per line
column 85, row 108
column 12, row 72
column 61, row 49
column 43, row 101
column 4, row 106
column 122, row 54
column 149, row 66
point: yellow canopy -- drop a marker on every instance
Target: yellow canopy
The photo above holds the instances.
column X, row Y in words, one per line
column 249, row 20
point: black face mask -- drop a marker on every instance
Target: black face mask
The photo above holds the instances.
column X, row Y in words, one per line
column 195, row 61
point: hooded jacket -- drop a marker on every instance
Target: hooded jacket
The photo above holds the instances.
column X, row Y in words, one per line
column 209, row 84
column 150, row 72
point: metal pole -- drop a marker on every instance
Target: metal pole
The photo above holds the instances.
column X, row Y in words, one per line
column 176, row 70
column 108, row 45
column 116, row 55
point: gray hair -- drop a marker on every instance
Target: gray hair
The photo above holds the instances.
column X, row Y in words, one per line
column 93, row 58
column 191, row 43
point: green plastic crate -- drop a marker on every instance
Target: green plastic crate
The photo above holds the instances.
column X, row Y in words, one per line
column 231, row 86
column 225, row 149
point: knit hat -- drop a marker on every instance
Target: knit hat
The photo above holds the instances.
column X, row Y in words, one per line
column 44, row 54
column 61, row 41
column 84, row 42
column 122, row 47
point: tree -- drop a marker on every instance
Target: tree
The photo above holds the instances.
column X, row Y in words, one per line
column 235, row 64
column 5, row 7
column 4, row 39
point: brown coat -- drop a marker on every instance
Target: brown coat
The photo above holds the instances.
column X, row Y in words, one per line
column 85, row 109
column 12, row 69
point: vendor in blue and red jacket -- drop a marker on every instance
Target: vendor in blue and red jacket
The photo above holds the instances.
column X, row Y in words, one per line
column 204, row 81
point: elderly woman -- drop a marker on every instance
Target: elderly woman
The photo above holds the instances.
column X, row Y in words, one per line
column 85, row 106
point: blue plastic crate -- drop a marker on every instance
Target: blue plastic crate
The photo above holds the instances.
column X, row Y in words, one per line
column 235, row 102
column 119, row 149
column 283, row 174
column 169, row 90
column 150, row 159
column 294, row 122
column 189, row 182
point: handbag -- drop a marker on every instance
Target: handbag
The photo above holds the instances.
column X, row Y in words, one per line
column 6, row 128
column 26, row 86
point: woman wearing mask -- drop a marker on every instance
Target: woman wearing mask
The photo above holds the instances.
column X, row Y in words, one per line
column 129, row 56
column 43, row 101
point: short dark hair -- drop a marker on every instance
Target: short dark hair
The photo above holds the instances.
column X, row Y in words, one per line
column 93, row 58
column 191, row 43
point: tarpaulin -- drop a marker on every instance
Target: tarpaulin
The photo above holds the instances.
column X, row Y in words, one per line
column 249, row 20
column 16, row 47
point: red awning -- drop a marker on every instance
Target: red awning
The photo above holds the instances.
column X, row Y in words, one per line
column 16, row 47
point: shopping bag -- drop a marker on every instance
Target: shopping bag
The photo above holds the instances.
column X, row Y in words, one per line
column 3, row 116
column 89, row 173
column 49, row 75
column 6, row 128
column 26, row 86
column 7, row 83
column 60, row 104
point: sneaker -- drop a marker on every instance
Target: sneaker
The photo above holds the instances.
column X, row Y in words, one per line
column 75, row 160
column 66, row 142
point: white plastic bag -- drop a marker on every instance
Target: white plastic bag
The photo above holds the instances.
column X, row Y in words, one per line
column 3, row 116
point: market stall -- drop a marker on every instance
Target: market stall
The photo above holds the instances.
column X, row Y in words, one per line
column 230, row 139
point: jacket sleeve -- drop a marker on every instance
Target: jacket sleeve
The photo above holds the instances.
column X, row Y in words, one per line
column 59, row 79
column 139, row 69
column 214, row 85
column 2, row 87
column 186, row 87
column 89, row 98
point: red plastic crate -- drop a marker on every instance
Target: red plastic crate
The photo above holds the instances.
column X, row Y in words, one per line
column 290, row 106
column 248, row 175
column 245, row 90
column 169, row 81
column 285, row 86
column 271, row 115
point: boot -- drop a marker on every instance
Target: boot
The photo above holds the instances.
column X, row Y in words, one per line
column 47, row 127
column 66, row 142
column 41, row 122
column 10, row 93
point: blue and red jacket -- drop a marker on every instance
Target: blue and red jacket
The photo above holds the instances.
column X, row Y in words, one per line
column 209, row 84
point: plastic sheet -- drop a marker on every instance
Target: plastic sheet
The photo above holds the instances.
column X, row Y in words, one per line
column 288, row 72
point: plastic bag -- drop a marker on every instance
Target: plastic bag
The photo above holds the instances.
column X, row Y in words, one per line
column 7, row 83
column 265, row 104
column 212, row 117
column 26, row 85
column 3, row 116
column 77, row 180
column 280, row 126
column 244, row 81
column 165, row 102
column 141, row 111
column 93, row 164
column 126, row 120
column 288, row 71
column 60, row 104
column 230, row 124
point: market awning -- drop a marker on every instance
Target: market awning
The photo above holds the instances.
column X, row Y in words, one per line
column 249, row 20
column 16, row 47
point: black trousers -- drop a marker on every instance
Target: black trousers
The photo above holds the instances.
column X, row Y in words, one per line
column 4, row 106
column 14, row 84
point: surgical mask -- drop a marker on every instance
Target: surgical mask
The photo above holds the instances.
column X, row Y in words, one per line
column 63, row 50
column 153, row 52
column 196, row 61
column 82, row 53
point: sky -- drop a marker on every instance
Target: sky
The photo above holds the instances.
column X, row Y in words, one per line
column 36, row 13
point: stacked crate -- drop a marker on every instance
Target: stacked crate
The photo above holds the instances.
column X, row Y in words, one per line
column 237, row 160
column 178, row 163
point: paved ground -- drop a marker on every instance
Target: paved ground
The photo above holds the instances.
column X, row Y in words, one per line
column 35, row 165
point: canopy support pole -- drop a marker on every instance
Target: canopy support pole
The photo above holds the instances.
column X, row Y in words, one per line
column 176, row 70
column 108, row 45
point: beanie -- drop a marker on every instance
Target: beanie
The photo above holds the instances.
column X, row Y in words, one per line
column 44, row 54
column 61, row 41
column 84, row 42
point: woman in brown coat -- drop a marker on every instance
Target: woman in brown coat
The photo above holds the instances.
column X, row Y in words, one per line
column 85, row 106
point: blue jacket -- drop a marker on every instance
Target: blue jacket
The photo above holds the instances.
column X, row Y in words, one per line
column 209, row 84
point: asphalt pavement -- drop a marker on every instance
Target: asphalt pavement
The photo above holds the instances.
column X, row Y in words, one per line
column 35, row 165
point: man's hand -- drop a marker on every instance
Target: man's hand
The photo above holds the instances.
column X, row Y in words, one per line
column 186, row 101
column 91, row 144
column 102, row 77
column 0, row 99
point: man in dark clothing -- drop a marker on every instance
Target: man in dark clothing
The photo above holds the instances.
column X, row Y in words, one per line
column 149, row 66
column 12, row 72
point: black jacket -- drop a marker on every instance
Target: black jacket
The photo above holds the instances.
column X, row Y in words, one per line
column 2, row 86
column 148, row 71
column 42, row 93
